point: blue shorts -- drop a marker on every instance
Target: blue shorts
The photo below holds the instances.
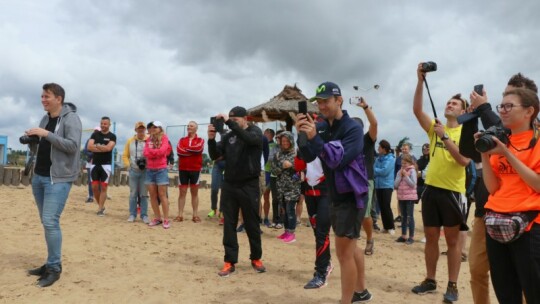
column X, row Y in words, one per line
column 157, row 177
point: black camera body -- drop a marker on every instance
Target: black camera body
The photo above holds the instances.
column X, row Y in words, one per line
column 141, row 163
column 486, row 142
column 26, row 140
column 429, row 66
column 218, row 123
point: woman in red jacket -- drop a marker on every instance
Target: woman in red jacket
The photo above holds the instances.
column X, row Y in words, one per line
column 156, row 150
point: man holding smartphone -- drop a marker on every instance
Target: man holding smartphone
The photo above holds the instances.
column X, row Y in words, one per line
column 241, row 148
column 445, row 182
column 345, row 215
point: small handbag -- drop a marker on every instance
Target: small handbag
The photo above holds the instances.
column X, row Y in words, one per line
column 507, row 227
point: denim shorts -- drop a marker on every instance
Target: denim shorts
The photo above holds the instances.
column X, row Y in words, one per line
column 157, row 177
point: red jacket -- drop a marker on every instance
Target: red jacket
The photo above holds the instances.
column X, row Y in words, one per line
column 190, row 153
column 156, row 158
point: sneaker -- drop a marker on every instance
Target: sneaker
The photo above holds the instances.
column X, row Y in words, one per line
column 131, row 218
column 221, row 221
column 266, row 222
column 145, row 220
column 360, row 297
column 391, row 231
column 398, row 218
column 409, row 241
column 154, row 222
column 329, row 270
column 451, row 294
column 166, row 224
column 258, row 266
column 227, row 269
column 401, row 239
column 290, row 238
column 427, row 286
column 240, row 228
column 212, row 214
column 283, row 235
column 318, row 281
column 278, row 226
column 101, row 212
column 90, row 200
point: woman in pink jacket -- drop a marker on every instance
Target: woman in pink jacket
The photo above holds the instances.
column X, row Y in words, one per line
column 405, row 184
column 156, row 150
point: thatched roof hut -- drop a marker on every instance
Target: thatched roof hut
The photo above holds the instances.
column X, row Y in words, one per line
column 281, row 106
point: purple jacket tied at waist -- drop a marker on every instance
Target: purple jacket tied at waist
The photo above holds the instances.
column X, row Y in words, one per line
column 352, row 178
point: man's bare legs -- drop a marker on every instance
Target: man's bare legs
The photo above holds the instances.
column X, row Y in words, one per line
column 351, row 264
column 181, row 201
column 194, row 190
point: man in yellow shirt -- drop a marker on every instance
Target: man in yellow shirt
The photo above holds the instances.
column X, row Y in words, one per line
column 445, row 182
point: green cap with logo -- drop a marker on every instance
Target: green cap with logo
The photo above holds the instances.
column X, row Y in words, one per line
column 326, row 90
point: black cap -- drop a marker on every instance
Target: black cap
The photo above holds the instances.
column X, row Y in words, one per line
column 238, row 112
column 326, row 90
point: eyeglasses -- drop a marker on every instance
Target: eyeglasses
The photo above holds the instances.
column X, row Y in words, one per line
column 507, row 107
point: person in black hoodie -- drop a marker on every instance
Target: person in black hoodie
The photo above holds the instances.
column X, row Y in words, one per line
column 57, row 166
column 241, row 148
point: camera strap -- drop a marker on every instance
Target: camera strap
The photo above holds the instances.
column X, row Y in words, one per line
column 430, row 99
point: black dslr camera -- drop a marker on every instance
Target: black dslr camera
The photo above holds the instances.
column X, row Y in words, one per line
column 486, row 143
column 26, row 140
column 429, row 66
column 141, row 163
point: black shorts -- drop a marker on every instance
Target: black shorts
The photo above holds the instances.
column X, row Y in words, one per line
column 100, row 174
column 346, row 219
column 442, row 207
column 189, row 178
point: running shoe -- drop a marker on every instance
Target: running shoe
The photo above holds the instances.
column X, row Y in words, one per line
column 427, row 286
column 212, row 214
column 131, row 218
column 258, row 266
column 145, row 219
column 401, row 239
column 278, row 226
column 166, row 224
column 283, row 235
column 154, row 222
column 318, row 281
column 240, row 228
column 290, row 238
column 227, row 269
column 361, row 297
column 101, row 212
column 451, row 294
column 90, row 200
column 409, row 241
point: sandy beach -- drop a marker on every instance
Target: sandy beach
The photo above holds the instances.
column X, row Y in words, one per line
column 108, row 260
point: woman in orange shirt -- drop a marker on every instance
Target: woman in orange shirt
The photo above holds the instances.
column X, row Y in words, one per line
column 512, row 177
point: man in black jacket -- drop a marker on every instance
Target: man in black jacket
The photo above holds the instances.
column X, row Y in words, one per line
column 478, row 260
column 241, row 148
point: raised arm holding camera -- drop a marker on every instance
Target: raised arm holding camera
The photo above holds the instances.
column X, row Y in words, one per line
column 57, row 166
column 445, row 182
column 511, row 174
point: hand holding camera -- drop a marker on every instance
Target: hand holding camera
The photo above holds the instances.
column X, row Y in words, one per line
column 490, row 139
column 141, row 163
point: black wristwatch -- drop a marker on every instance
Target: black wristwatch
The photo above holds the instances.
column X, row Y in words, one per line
column 445, row 137
column 365, row 107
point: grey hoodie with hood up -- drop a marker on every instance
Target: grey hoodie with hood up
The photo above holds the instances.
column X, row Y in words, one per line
column 65, row 144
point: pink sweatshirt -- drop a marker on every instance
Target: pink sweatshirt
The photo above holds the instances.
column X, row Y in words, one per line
column 156, row 158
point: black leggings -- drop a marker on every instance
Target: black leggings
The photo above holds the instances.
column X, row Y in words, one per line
column 384, row 196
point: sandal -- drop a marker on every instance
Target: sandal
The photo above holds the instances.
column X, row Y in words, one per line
column 196, row 219
column 369, row 247
column 179, row 218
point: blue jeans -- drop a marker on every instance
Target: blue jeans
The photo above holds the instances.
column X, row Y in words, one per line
column 217, row 180
column 90, row 191
column 157, row 177
column 50, row 200
column 290, row 215
column 137, row 189
column 407, row 217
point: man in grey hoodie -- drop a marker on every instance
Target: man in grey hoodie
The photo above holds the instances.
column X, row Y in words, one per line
column 57, row 166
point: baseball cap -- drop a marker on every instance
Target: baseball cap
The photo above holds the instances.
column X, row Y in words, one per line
column 97, row 128
column 238, row 112
column 157, row 124
column 139, row 124
column 326, row 90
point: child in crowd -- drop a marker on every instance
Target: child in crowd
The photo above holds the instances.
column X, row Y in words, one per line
column 405, row 184
column 288, row 184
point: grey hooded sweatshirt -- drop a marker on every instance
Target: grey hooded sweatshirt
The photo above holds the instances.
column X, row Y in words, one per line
column 65, row 144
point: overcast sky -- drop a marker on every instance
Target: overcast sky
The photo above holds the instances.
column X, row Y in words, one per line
column 177, row 61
